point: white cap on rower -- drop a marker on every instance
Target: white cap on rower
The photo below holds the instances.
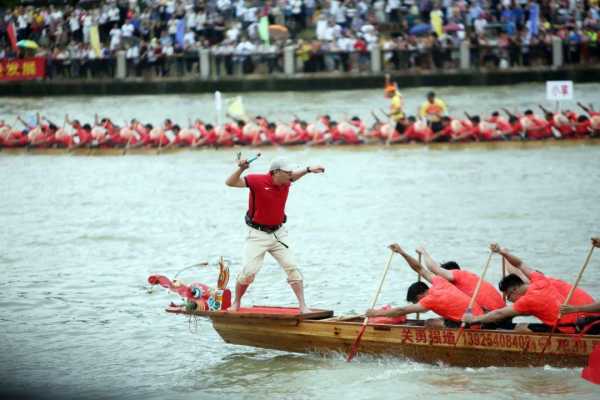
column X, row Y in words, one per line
column 282, row 164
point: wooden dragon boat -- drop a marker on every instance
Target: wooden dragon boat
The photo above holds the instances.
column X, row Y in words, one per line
column 284, row 329
column 494, row 145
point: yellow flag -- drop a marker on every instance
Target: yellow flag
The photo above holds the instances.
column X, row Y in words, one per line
column 95, row 39
column 436, row 22
column 235, row 107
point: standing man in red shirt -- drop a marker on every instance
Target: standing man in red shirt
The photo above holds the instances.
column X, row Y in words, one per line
column 265, row 218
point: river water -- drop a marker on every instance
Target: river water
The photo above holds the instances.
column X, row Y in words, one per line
column 81, row 235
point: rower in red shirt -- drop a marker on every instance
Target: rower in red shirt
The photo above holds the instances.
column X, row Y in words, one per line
column 224, row 136
column 539, row 298
column 488, row 297
column 445, row 134
column 37, row 137
column 579, row 297
column 335, row 136
column 317, row 134
column 441, row 297
column 301, row 129
column 208, row 136
column 357, row 122
column 463, row 130
column 535, row 127
column 62, row 138
column 158, row 138
column 483, row 130
column 420, row 132
column 251, row 133
column 83, row 134
column 265, row 218
column 184, row 137
column 583, row 127
column 562, row 124
column 349, row 134
column 13, row 137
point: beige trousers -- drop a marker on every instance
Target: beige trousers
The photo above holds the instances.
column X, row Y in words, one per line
column 257, row 244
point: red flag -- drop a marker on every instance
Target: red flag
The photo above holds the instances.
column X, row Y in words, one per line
column 12, row 35
column 592, row 372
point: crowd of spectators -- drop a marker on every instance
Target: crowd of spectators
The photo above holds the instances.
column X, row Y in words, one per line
column 163, row 37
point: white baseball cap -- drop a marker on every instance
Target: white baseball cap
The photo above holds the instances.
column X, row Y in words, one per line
column 282, row 164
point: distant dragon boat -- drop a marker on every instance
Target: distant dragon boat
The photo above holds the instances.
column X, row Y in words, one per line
column 483, row 145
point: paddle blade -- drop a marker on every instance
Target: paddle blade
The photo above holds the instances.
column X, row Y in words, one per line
column 591, row 373
column 354, row 348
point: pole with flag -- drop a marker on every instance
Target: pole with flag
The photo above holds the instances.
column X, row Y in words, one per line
column 95, row 40
column 218, row 106
column 263, row 29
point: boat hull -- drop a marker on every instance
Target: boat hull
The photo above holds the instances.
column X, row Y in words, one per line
column 475, row 348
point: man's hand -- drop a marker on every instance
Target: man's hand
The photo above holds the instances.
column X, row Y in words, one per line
column 421, row 250
column 567, row 309
column 395, row 247
column 243, row 164
column 467, row 318
column 495, row 248
column 371, row 312
column 596, row 241
column 317, row 169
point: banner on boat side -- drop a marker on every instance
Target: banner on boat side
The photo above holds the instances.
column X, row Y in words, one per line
column 22, row 69
column 559, row 90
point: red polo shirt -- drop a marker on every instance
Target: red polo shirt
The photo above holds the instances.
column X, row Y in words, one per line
column 446, row 300
column 542, row 300
column 266, row 202
column 488, row 297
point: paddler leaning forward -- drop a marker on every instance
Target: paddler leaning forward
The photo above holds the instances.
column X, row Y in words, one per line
column 442, row 297
column 540, row 296
column 265, row 218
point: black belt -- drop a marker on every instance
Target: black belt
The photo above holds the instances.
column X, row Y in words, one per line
column 260, row 227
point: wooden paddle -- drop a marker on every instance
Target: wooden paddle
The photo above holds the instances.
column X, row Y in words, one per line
column 569, row 296
column 475, row 293
column 356, row 343
column 419, row 254
column 504, row 276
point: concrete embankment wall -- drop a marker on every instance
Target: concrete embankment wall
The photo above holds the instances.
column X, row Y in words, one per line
column 294, row 83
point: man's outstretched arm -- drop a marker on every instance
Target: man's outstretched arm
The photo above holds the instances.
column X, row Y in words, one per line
column 433, row 265
column 514, row 260
column 235, row 179
column 414, row 264
column 397, row 311
column 316, row 169
column 496, row 315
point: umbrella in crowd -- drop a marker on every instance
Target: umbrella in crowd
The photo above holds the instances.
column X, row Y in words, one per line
column 278, row 32
column 27, row 44
column 420, row 29
column 452, row 27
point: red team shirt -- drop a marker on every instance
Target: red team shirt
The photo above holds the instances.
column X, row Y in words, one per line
column 543, row 300
column 446, row 300
column 488, row 297
column 266, row 202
